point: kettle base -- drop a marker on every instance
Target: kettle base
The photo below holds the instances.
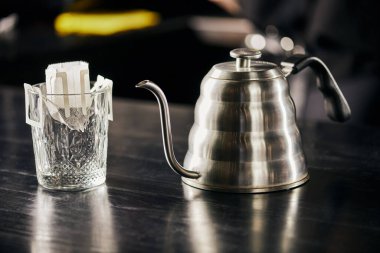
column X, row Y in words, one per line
column 272, row 188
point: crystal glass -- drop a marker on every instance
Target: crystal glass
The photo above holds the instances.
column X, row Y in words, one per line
column 70, row 150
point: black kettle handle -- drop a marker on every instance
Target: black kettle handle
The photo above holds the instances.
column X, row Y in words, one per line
column 336, row 105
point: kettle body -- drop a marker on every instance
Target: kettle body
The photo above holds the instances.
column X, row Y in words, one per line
column 245, row 137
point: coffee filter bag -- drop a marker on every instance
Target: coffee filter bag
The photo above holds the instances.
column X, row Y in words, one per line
column 67, row 94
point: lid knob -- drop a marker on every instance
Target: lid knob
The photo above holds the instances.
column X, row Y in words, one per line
column 243, row 56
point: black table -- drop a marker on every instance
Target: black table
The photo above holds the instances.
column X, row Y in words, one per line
column 143, row 207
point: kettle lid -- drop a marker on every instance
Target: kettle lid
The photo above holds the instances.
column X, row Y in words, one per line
column 244, row 68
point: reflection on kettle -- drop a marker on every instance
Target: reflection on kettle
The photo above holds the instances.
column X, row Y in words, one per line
column 52, row 214
column 244, row 137
column 260, row 223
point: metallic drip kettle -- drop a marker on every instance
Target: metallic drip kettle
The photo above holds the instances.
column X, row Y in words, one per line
column 245, row 137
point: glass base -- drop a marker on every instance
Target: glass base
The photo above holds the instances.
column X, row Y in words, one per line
column 72, row 182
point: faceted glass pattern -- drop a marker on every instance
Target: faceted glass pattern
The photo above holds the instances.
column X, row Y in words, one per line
column 66, row 158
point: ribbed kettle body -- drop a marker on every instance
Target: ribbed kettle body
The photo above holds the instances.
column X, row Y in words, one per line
column 245, row 136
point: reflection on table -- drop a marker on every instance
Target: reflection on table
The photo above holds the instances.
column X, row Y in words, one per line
column 91, row 207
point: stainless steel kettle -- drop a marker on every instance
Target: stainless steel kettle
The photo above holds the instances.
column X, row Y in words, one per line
column 245, row 137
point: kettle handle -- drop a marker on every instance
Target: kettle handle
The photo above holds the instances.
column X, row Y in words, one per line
column 336, row 105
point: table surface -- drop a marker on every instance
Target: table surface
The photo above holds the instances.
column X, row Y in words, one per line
column 144, row 207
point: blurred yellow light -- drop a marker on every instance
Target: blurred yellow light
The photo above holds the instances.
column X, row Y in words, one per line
column 104, row 23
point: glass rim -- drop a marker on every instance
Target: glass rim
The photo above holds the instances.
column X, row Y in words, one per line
column 68, row 94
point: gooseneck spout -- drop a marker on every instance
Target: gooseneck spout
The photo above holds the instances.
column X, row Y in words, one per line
column 166, row 129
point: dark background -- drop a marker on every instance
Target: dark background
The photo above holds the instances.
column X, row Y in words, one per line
column 172, row 54
column 169, row 54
